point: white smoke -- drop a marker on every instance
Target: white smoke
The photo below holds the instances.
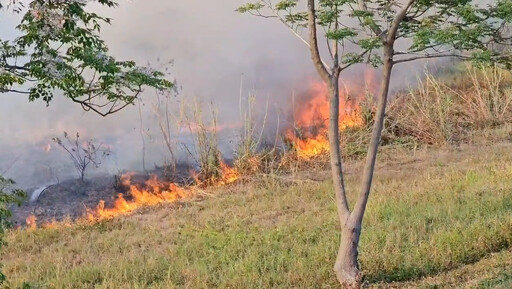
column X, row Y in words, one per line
column 212, row 47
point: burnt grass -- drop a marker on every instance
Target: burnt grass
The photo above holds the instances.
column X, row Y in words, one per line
column 71, row 199
column 68, row 199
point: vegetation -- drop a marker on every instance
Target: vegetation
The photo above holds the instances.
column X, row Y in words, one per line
column 366, row 32
column 8, row 196
column 448, row 111
column 83, row 154
column 435, row 212
column 206, row 146
column 58, row 49
column 280, row 231
column 441, row 218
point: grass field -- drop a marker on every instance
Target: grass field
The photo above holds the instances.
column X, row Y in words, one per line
column 438, row 218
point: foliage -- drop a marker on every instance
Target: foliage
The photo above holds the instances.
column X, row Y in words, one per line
column 83, row 154
column 8, row 196
column 433, row 28
column 59, row 49
column 250, row 157
column 206, row 142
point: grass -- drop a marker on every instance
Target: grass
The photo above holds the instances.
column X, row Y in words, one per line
column 442, row 111
column 434, row 219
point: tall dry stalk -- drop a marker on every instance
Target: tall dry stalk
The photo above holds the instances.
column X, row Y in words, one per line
column 440, row 112
column 490, row 102
column 168, row 125
column 248, row 155
column 206, row 145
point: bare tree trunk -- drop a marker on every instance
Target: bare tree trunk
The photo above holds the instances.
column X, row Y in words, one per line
column 335, row 151
column 82, row 174
column 346, row 267
column 360, row 206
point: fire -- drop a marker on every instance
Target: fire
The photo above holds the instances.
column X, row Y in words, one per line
column 31, row 222
column 311, row 117
column 309, row 136
column 152, row 193
column 228, row 174
column 310, row 147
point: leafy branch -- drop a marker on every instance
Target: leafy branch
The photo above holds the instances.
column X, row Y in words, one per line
column 60, row 50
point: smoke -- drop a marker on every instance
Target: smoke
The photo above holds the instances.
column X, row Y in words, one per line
column 214, row 50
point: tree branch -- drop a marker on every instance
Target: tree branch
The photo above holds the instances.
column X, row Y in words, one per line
column 375, row 28
column 397, row 20
column 15, row 67
column 14, row 91
column 276, row 15
column 313, row 40
column 430, row 56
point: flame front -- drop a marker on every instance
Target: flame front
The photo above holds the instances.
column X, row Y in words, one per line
column 311, row 118
column 309, row 137
column 152, row 193
column 228, row 174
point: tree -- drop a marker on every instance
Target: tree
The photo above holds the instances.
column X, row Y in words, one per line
column 83, row 154
column 59, row 49
column 8, row 196
column 369, row 32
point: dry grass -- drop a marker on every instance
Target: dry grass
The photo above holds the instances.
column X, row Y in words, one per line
column 447, row 112
column 206, row 142
column 431, row 212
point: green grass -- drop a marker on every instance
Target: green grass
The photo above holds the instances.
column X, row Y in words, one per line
column 427, row 225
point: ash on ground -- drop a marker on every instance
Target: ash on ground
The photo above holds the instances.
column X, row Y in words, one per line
column 72, row 198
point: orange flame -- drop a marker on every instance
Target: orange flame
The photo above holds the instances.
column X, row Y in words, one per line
column 152, row 193
column 311, row 118
column 31, row 222
column 229, row 174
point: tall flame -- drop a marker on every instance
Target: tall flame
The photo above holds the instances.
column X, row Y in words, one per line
column 311, row 118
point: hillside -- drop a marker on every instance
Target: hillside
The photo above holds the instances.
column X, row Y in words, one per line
column 438, row 218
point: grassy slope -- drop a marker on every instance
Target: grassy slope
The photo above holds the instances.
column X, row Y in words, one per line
column 430, row 214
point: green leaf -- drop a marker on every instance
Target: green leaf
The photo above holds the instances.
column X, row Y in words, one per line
column 341, row 34
column 250, row 7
